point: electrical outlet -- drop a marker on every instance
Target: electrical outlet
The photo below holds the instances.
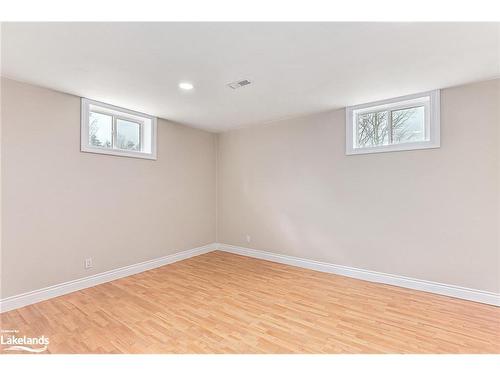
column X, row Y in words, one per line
column 249, row 239
column 88, row 263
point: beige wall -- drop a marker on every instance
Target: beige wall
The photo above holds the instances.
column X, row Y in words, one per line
column 61, row 205
column 428, row 214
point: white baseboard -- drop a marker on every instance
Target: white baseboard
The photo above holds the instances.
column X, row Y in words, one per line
column 20, row 300
column 15, row 302
column 378, row 277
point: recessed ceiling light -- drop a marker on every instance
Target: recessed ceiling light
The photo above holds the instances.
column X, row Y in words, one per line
column 186, row 86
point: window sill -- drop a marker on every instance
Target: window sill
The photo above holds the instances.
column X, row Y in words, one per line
column 113, row 152
column 392, row 148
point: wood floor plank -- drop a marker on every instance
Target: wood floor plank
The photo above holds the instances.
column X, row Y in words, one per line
column 226, row 303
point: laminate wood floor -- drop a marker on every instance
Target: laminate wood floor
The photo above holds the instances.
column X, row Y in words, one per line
column 225, row 303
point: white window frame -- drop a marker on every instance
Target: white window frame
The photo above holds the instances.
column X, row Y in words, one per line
column 431, row 102
column 122, row 114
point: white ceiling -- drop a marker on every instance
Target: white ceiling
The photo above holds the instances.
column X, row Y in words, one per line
column 295, row 68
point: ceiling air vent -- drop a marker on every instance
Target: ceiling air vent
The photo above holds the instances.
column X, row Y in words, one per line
column 238, row 84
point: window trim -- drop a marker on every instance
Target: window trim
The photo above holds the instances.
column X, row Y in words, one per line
column 116, row 113
column 432, row 122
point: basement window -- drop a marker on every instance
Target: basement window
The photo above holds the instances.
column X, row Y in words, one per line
column 405, row 123
column 106, row 129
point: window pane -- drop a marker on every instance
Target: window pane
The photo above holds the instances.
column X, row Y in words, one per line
column 372, row 129
column 100, row 130
column 408, row 125
column 128, row 135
